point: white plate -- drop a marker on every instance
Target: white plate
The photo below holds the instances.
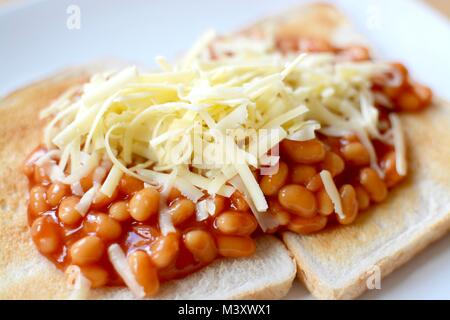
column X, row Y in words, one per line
column 35, row 41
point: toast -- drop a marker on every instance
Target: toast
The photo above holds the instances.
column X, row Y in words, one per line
column 26, row 274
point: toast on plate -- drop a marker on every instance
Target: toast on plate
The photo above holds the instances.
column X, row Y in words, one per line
column 334, row 263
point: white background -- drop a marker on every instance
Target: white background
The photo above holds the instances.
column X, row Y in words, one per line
column 34, row 42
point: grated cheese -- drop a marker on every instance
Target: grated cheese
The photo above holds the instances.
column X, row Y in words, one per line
column 332, row 191
column 86, row 200
column 120, row 264
column 399, row 145
column 165, row 219
column 111, row 182
column 47, row 157
column 76, row 188
column 265, row 220
column 254, row 191
column 78, row 283
column 204, row 209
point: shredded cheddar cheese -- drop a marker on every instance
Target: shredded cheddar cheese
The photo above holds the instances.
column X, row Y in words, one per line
column 78, row 284
column 120, row 264
column 332, row 191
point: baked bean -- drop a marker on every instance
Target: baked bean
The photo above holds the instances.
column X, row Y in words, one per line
column 87, row 250
column 350, row 137
column 146, row 275
column 144, row 204
column 238, row 201
column 355, row 53
column 277, row 211
column 165, row 250
column 271, row 184
column 31, row 159
column 236, row 223
column 324, row 204
column 349, row 204
column 119, row 211
column 363, row 198
column 201, row 244
column 38, row 200
column 55, row 192
column 88, row 181
column 97, row 275
column 356, row 154
column 101, row 200
column 424, row 93
column 181, row 210
column 298, row 200
column 103, row 226
column 315, row 184
column 235, row 246
column 400, row 67
column 173, row 194
column 219, row 204
column 305, row 152
column 288, row 44
column 28, row 168
column 66, row 211
column 47, row 235
column 376, row 188
column 333, row 163
column 307, row 225
column 408, row 100
column 255, row 174
column 40, row 176
column 388, row 163
column 313, row 45
column 302, row 174
column 393, row 91
column 129, row 185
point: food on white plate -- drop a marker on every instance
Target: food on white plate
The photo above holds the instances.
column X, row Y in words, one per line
column 162, row 184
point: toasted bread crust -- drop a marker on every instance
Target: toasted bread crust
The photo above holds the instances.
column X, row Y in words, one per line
column 315, row 21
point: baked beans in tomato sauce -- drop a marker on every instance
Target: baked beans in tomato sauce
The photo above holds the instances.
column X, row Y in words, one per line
column 296, row 197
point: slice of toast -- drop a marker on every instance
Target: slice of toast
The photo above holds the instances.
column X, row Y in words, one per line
column 26, row 274
column 342, row 262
